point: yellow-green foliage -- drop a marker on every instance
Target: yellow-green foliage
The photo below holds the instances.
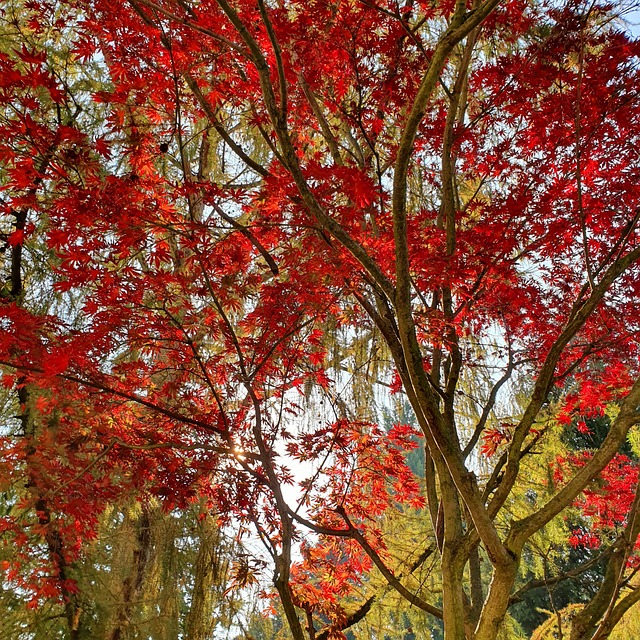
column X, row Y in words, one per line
column 629, row 627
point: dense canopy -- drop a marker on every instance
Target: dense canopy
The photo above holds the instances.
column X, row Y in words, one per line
column 358, row 279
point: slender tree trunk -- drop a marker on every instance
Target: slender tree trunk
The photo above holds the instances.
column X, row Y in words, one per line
column 283, row 587
column 475, row 577
column 209, row 570
column 497, row 602
column 132, row 584
column 453, row 607
column 452, row 562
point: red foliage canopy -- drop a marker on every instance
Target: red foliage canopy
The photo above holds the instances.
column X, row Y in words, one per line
column 233, row 185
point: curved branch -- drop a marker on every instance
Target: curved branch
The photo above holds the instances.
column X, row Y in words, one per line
column 629, row 415
column 393, row 581
column 581, row 312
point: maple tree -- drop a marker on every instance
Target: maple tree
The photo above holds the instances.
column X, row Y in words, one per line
column 219, row 198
